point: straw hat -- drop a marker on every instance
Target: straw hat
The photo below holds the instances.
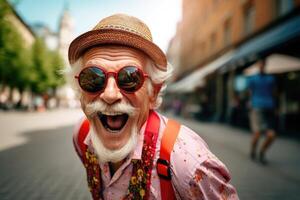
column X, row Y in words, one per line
column 119, row 29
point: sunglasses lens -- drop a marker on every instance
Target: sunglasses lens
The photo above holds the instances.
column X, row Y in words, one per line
column 130, row 79
column 92, row 79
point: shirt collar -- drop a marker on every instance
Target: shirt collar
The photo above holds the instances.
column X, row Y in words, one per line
column 137, row 153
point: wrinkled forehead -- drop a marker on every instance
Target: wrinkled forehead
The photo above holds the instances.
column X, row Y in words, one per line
column 114, row 54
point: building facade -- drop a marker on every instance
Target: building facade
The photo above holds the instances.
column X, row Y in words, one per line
column 25, row 31
column 211, row 27
column 216, row 40
column 65, row 34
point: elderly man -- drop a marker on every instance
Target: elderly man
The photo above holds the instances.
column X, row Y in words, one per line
column 129, row 150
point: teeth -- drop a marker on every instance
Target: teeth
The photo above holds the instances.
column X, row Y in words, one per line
column 112, row 113
column 112, row 131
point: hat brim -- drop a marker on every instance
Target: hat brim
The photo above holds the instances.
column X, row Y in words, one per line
column 113, row 36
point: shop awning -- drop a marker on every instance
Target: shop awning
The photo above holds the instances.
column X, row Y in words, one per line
column 197, row 78
column 276, row 64
column 264, row 43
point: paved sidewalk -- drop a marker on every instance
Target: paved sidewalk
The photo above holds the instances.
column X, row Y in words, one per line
column 38, row 161
column 14, row 123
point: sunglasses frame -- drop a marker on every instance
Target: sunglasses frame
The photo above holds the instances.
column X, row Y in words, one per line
column 115, row 75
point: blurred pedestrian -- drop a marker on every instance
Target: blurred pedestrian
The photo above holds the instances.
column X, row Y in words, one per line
column 262, row 117
column 177, row 106
column 129, row 150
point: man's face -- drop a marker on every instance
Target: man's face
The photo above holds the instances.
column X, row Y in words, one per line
column 115, row 130
column 261, row 66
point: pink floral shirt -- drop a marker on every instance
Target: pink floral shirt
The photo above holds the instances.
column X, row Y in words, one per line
column 196, row 172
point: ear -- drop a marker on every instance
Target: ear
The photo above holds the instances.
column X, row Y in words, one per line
column 153, row 97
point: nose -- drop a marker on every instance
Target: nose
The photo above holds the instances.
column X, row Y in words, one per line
column 111, row 93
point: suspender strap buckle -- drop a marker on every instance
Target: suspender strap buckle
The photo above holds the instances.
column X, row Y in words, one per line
column 163, row 169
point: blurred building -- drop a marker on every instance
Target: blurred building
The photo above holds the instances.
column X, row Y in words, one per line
column 25, row 31
column 60, row 39
column 216, row 40
column 49, row 36
column 65, row 37
column 65, row 33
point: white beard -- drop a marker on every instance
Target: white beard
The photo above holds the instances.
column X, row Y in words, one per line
column 104, row 154
column 107, row 155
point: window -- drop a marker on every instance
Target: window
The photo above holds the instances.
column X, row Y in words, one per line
column 249, row 18
column 240, row 83
column 282, row 7
column 216, row 1
column 213, row 42
column 227, row 32
column 202, row 49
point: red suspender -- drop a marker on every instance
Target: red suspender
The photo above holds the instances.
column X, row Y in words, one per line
column 90, row 162
column 149, row 147
column 83, row 131
column 163, row 163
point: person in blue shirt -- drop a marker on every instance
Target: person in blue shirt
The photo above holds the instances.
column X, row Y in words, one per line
column 261, row 87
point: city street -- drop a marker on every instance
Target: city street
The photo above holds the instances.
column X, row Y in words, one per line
column 37, row 159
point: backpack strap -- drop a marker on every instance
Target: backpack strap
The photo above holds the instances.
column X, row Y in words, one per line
column 163, row 163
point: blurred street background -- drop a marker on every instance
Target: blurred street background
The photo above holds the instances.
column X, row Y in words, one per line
column 214, row 47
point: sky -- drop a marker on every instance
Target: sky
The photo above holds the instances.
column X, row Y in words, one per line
column 161, row 16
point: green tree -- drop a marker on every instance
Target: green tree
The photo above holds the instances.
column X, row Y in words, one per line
column 47, row 69
column 36, row 68
column 6, row 46
column 14, row 56
column 42, row 73
column 57, row 65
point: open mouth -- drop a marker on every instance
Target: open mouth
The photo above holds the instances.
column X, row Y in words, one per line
column 113, row 122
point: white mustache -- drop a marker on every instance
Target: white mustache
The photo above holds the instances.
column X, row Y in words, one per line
column 93, row 108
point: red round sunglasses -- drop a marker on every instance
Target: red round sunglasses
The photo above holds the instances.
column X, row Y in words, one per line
column 93, row 79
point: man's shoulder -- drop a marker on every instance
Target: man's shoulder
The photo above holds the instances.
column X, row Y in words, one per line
column 191, row 143
column 191, row 154
column 187, row 139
